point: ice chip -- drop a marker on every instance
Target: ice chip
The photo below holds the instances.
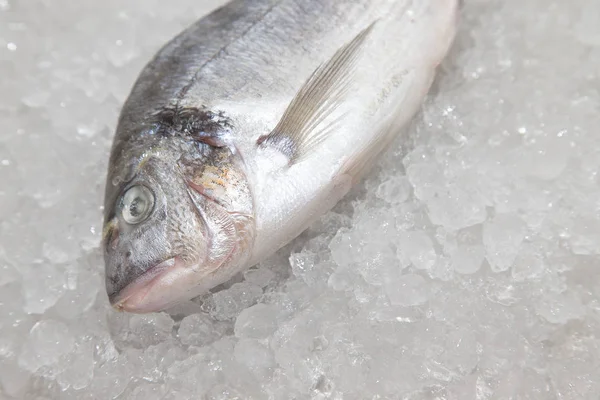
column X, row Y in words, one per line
column 502, row 238
column 456, row 208
column 54, row 253
column 344, row 250
column 256, row 322
column 230, row 302
column 526, row 383
column 200, row 329
column 417, row 245
column 573, row 366
column 560, row 308
column 79, row 369
column 147, row 391
column 81, row 297
column 13, row 378
column 259, row 276
column 256, row 356
column 546, row 155
column 442, row 269
column 395, row 190
column 224, row 392
column 43, row 285
column 340, row 280
column 151, row 329
column 8, row 273
column 528, row 264
column 112, row 377
column 408, row 290
column 303, row 265
column 584, row 237
column 468, row 259
column 48, row 340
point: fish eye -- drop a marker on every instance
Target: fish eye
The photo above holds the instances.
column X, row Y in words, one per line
column 137, row 204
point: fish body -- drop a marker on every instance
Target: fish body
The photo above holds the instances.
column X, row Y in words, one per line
column 251, row 124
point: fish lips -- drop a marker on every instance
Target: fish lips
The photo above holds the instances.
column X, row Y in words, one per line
column 150, row 292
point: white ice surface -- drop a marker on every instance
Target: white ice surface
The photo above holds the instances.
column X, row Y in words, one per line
column 465, row 267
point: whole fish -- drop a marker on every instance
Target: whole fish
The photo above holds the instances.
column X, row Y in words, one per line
column 251, row 124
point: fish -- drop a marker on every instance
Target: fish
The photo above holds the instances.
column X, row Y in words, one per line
column 248, row 126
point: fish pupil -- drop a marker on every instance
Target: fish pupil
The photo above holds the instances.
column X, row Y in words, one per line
column 137, row 207
column 136, row 203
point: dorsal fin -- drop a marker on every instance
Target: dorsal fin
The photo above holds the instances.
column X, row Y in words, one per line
column 303, row 126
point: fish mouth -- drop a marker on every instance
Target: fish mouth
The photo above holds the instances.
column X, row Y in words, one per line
column 140, row 296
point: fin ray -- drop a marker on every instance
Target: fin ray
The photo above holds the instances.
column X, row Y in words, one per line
column 301, row 127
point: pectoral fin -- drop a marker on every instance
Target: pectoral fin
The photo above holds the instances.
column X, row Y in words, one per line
column 308, row 119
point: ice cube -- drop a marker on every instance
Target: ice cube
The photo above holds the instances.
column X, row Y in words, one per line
column 468, row 259
column 79, row 298
column 256, row 322
column 79, row 367
column 8, row 273
column 48, row 340
column 560, row 308
column 230, row 302
column 395, row 190
column 418, row 247
column 573, row 364
column 528, row 264
column 256, row 356
column 200, row 330
column 112, row 377
column 259, row 276
column 408, row 290
column 151, row 329
column 147, row 391
column 43, row 285
column 14, row 379
column 502, row 237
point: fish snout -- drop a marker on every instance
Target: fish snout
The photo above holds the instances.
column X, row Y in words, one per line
column 149, row 291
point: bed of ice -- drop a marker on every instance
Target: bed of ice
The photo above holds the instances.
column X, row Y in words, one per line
column 465, row 267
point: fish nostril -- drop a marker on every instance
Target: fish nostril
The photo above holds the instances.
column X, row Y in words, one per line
column 128, row 254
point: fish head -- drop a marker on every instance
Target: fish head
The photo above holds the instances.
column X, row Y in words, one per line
column 165, row 241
